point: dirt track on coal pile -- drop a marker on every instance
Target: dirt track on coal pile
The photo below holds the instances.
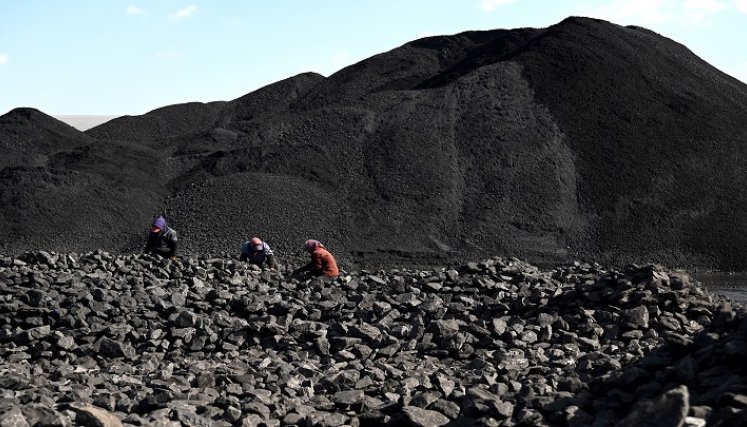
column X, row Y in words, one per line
column 581, row 140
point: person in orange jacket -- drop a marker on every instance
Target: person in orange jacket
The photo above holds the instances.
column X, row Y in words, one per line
column 322, row 262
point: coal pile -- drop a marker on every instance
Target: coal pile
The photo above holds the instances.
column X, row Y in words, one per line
column 60, row 188
column 28, row 135
column 98, row 339
column 582, row 140
column 161, row 123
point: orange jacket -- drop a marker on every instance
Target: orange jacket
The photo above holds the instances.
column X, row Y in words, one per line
column 324, row 262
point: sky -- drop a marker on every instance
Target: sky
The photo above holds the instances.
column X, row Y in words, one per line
column 128, row 57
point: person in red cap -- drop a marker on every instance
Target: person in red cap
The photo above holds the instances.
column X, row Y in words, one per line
column 322, row 262
column 258, row 252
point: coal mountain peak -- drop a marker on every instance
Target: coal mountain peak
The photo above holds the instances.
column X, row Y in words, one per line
column 583, row 139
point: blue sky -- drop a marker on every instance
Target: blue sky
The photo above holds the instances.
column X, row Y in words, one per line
column 112, row 57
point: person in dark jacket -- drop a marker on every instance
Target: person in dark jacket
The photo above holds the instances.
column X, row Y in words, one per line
column 161, row 239
column 258, row 252
column 322, row 262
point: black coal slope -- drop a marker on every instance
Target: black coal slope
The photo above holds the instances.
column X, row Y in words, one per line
column 27, row 136
column 657, row 134
column 581, row 139
column 63, row 189
column 164, row 122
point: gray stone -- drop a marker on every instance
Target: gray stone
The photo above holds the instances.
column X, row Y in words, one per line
column 668, row 410
column 156, row 400
column 425, row 399
column 423, row 417
column 679, row 281
column 91, row 416
column 37, row 414
column 370, row 333
column 694, row 422
column 637, row 317
column 446, row 407
column 444, row 327
column 504, row 409
column 65, row 342
column 112, row 348
column 13, row 418
column 348, row 397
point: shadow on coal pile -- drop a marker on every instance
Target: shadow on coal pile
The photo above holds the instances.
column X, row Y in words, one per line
column 659, row 351
column 696, row 379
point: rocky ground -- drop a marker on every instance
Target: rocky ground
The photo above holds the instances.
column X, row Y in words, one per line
column 101, row 340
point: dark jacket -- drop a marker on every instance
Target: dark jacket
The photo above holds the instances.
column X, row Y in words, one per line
column 161, row 243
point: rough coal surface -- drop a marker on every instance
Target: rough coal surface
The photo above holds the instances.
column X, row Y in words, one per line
column 161, row 123
column 60, row 188
column 583, row 140
column 99, row 339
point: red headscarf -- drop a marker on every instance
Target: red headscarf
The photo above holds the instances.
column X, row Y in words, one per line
column 311, row 245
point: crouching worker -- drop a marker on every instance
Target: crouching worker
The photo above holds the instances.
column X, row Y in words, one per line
column 258, row 252
column 161, row 239
column 322, row 262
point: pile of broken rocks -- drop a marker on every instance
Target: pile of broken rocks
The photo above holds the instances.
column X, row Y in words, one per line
column 104, row 340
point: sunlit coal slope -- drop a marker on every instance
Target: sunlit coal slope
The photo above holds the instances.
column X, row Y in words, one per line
column 582, row 139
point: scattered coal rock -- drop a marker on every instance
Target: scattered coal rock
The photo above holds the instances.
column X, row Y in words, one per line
column 131, row 340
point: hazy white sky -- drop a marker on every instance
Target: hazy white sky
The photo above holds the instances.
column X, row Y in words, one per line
column 119, row 57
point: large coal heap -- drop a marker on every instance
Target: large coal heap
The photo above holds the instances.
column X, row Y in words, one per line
column 28, row 136
column 584, row 139
column 63, row 189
